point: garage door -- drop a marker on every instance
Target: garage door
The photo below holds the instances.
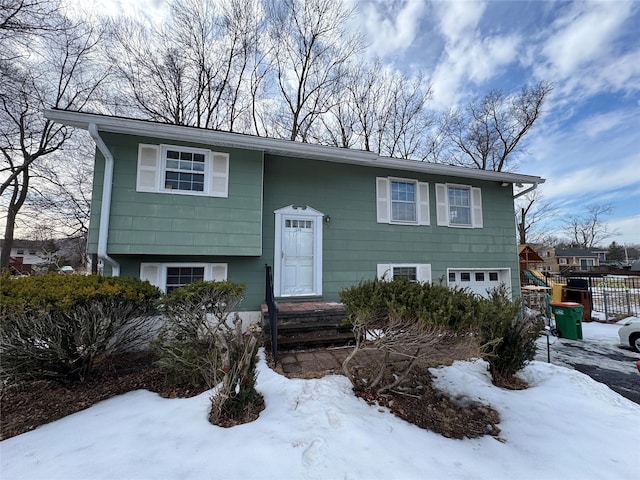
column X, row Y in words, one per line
column 479, row 281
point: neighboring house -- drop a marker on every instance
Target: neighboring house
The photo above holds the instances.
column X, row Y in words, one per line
column 173, row 204
column 548, row 256
column 577, row 259
column 27, row 257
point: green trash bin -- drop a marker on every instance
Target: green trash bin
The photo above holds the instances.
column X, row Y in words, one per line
column 568, row 319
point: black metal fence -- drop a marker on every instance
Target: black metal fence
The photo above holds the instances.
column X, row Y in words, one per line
column 615, row 296
column 272, row 308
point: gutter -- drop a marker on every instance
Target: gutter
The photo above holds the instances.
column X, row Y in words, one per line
column 105, row 208
column 524, row 192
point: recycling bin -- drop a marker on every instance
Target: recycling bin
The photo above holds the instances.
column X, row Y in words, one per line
column 568, row 317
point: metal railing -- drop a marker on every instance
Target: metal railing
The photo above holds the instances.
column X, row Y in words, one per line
column 614, row 295
column 272, row 308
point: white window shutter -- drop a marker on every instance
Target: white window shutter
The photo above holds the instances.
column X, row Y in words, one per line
column 219, row 175
column 151, row 273
column 148, row 168
column 217, row 272
column 384, row 272
column 423, row 204
column 424, row 273
column 382, row 199
column 476, row 207
column 442, row 210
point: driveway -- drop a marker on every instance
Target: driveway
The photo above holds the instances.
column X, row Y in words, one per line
column 598, row 355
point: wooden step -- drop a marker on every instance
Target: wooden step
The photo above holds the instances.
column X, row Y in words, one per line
column 309, row 325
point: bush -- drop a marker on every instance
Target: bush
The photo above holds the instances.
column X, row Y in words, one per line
column 508, row 343
column 199, row 346
column 407, row 324
column 57, row 326
column 439, row 305
column 188, row 343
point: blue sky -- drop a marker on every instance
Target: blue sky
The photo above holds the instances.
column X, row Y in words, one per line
column 587, row 144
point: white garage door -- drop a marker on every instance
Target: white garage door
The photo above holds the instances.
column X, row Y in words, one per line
column 479, row 281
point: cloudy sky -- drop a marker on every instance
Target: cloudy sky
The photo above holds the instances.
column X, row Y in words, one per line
column 587, row 145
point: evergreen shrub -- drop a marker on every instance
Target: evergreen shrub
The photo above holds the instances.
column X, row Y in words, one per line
column 57, row 326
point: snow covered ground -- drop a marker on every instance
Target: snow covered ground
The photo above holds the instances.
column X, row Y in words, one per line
column 565, row 426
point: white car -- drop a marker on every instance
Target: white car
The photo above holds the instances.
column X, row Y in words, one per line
column 629, row 333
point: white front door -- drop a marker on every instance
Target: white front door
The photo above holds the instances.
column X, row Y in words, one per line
column 298, row 252
column 297, row 256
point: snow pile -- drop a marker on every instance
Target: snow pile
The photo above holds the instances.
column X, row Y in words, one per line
column 564, row 426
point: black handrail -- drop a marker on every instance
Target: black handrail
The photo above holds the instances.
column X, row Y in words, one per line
column 272, row 308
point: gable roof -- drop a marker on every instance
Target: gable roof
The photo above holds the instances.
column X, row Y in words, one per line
column 275, row 146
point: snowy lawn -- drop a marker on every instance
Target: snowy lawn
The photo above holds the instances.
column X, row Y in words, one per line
column 565, row 426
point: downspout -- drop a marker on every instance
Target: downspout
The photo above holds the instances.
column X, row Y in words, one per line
column 532, row 187
column 105, row 208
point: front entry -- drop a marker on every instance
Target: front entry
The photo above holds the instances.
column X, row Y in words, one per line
column 298, row 252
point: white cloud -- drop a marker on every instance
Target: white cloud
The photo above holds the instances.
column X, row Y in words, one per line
column 585, row 181
column 392, row 30
column 584, row 35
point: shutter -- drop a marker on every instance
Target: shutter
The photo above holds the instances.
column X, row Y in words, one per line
column 476, row 208
column 148, row 168
column 424, row 273
column 217, row 272
column 442, row 210
column 219, row 175
column 151, row 273
column 423, row 204
column 384, row 271
column 382, row 199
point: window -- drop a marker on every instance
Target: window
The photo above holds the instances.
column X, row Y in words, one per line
column 402, row 201
column 414, row 272
column 479, row 276
column 169, row 276
column 562, row 261
column 586, row 262
column 458, row 205
column 406, row 273
column 493, row 276
column 181, row 276
column 452, row 276
column 465, row 277
column 32, row 252
column 20, row 251
column 182, row 170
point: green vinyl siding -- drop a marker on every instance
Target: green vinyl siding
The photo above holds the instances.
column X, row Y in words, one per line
column 162, row 223
column 149, row 227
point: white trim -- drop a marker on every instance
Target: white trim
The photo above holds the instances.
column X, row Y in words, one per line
column 156, row 273
column 384, row 202
column 152, row 168
column 443, row 212
column 302, row 213
column 384, row 271
column 275, row 146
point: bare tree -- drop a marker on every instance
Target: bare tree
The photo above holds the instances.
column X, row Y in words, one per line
column 57, row 74
column 384, row 111
column 488, row 133
column 312, row 44
column 589, row 229
column 531, row 212
column 193, row 70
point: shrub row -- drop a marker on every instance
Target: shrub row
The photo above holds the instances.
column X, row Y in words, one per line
column 507, row 342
